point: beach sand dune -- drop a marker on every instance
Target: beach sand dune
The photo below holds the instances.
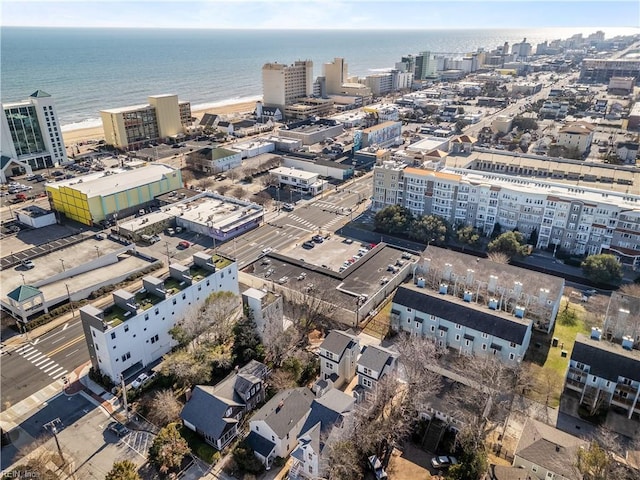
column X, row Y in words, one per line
column 83, row 135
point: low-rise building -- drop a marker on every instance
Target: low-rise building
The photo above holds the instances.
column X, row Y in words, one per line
column 299, row 180
column 309, row 132
column 381, row 135
column 215, row 412
column 267, row 311
column 578, row 135
column 324, row 168
column 547, row 453
column 338, row 354
column 605, row 374
column 275, row 427
column 214, row 160
column 374, row 363
column 127, row 335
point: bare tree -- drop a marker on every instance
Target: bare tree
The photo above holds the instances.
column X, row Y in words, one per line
column 220, row 311
column 269, row 180
column 223, row 188
column 499, row 257
column 164, row 408
column 239, row 192
column 307, row 307
column 206, row 182
column 187, row 368
column 262, row 198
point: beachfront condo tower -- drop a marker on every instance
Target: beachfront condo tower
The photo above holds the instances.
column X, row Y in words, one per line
column 30, row 134
column 164, row 118
column 285, row 84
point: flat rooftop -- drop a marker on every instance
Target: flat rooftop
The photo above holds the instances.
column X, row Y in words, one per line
column 342, row 289
column 111, row 182
column 216, row 211
column 429, row 144
column 294, row 172
column 308, row 129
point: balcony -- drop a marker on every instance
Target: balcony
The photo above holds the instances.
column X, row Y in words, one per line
column 575, row 384
column 621, row 401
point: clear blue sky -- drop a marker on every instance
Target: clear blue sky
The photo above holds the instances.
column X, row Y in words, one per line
column 345, row 14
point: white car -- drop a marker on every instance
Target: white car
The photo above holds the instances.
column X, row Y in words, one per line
column 267, row 250
column 138, row 382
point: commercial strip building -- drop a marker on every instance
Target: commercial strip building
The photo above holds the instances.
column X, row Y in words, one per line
column 111, row 194
column 324, row 168
column 216, row 216
column 299, row 180
column 132, row 332
column 162, row 119
column 30, row 136
column 579, row 220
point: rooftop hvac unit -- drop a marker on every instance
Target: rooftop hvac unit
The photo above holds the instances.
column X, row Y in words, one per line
column 493, row 304
column 627, row 342
column 443, row 289
column 596, row 333
column 468, row 296
column 421, row 282
column 519, row 311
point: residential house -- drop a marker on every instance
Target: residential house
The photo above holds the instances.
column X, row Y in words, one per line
column 275, row 427
column 578, row 135
column 338, row 355
column 214, row 160
column 503, row 472
column 374, row 363
column 324, row 423
column 547, row 453
column 215, row 412
column 605, row 374
column 627, row 152
column 225, row 127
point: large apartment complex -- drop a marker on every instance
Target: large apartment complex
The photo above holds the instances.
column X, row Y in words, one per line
column 576, row 219
column 285, row 84
column 163, row 118
column 133, row 331
column 30, row 132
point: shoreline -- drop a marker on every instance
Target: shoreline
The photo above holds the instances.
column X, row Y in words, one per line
column 81, row 136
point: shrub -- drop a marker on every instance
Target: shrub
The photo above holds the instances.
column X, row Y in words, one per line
column 246, row 460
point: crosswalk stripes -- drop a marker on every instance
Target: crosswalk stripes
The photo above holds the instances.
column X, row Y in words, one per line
column 41, row 361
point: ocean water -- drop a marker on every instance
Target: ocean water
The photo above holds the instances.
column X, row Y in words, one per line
column 87, row 70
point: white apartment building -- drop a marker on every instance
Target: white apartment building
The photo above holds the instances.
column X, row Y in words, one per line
column 379, row 83
column 299, row 180
column 578, row 135
column 576, row 219
column 283, row 84
column 30, row 132
column 132, row 332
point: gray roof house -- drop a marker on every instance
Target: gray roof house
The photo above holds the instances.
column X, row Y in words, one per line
column 275, row 427
column 214, row 412
column 326, row 418
column 374, row 363
column 546, row 452
column 338, row 355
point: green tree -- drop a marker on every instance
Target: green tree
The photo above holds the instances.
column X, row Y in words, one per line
column 168, row 449
column 533, row 237
column 393, row 219
column 124, row 470
column 430, row 229
column 593, row 462
column 473, row 465
column 246, row 460
column 246, row 342
column 509, row 243
column 603, row 268
column 467, row 235
column 460, row 125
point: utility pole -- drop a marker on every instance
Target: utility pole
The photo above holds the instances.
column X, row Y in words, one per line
column 52, row 426
column 124, row 396
column 73, row 312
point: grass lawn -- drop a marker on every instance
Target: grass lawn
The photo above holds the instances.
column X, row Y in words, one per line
column 198, row 446
column 548, row 365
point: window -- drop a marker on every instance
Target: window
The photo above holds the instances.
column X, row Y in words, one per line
column 511, row 356
column 310, row 457
column 126, row 356
column 458, row 326
column 157, row 311
column 257, row 428
column 512, row 345
column 174, row 301
column 155, row 339
column 113, row 335
column 484, row 346
column 485, row 335
column 433, row 328
column 146, row 317
column 457, row 338
column 184, row 296
column 96, row 345
column 126, row 328
column 329, row 365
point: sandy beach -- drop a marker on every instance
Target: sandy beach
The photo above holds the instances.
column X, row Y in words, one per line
column 81, row 136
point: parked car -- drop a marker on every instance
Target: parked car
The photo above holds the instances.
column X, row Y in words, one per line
column 443, row 461
column 28, row 264
column 308, row 245
column 171, row 231
column 138, row 382
column 288, row 207
column 118, row 428
column 267, row 250
column 183, row 244
column 318, row 238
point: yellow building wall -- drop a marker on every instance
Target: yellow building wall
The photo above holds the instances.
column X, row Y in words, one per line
column 72, row 203
column 167, row 115
column 113, row 128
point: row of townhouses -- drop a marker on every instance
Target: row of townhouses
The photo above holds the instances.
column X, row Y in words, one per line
column 576, row 219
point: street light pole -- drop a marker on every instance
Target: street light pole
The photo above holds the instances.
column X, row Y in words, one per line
column 52, row 426
column 73, row 312
column 97, row 251
column 62, row 262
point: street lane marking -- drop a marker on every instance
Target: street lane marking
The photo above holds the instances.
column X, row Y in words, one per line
column 58, row 368
column 58, row 340
column 55, row 365
column 65, row 346
column 66, row 325
column 35, row 341
column 24, row 348
column 29, row 356
column 60, row 374
column 71, row 353
column 46, row 365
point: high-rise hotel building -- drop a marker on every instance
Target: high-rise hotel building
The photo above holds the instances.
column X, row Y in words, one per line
column 30, row 132
column 284, row 84
column 576, row 219
column 163, row 118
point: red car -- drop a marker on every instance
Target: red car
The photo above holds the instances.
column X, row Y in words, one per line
column 183, row 244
